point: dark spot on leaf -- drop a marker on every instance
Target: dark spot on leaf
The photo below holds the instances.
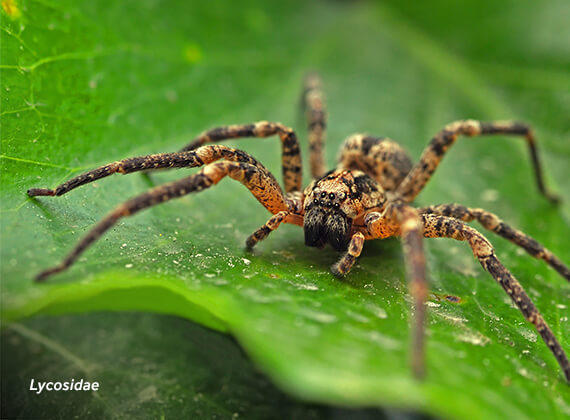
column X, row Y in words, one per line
column 453, row 299
column 449, row 298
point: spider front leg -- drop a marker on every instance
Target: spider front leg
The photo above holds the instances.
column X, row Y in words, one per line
column 411, row 233
column 439, row 226
column 290, row 151
column 442, row 141
column 264, row 188
column 493, row 223
column 125, row 166
column 190, row 159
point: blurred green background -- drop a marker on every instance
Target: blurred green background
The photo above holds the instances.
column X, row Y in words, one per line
column 85, row 83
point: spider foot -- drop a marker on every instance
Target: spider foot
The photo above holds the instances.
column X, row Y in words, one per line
column 418, row 370
column 41, row 277
column 339, row 270
column 553, row 198
column 33, row 192
column 250, row 242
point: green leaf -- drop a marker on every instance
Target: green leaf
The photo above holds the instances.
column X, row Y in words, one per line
column 85, row 83
column 206, row 377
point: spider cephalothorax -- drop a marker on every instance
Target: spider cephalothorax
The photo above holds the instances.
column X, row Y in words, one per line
column 334, row 202
column 367, row 196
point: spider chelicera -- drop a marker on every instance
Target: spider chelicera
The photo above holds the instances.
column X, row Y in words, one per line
column 367, row 196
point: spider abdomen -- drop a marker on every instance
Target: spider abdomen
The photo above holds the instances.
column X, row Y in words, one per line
column 381, row 158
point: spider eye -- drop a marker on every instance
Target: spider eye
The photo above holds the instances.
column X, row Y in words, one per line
column 336, row 205
column 331, row 196
column 315, row 201
column 323, row 194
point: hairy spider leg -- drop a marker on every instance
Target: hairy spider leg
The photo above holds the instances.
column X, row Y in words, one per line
column 493, row 223
column 411, row 233
column 263, row 188
column 432, row 155
column 198, row 157
column 291, row 153
column 313, row 103
column 380, row 157
column 440, row 226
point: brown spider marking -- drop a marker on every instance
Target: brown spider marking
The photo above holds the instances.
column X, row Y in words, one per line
column 366, row 197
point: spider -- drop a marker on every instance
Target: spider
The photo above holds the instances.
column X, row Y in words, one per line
column 367, row 196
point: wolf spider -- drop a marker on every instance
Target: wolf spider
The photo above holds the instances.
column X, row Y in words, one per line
column 366, row 196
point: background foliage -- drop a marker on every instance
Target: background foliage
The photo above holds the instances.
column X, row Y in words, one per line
column 84, row 83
